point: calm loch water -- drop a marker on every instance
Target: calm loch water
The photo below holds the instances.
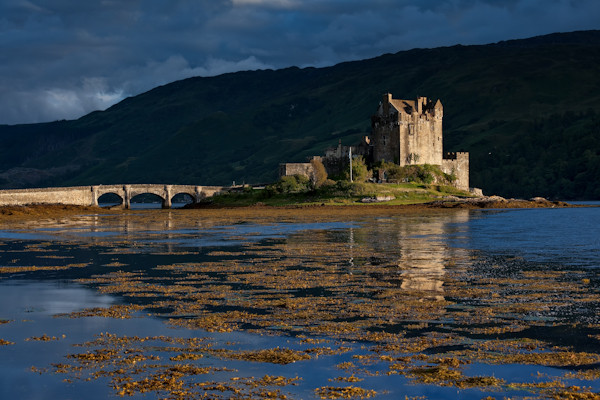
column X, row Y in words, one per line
column 444, row 304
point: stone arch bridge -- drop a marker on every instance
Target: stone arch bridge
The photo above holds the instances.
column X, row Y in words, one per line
column 89, row 195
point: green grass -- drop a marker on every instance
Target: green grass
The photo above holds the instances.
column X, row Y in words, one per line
column 343, row 194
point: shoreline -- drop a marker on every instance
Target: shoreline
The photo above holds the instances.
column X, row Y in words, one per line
column 44, row 211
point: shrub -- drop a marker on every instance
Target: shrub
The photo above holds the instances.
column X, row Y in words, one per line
column 359, row 189
column 421, row 173
column 343, row 185
column 290, row 184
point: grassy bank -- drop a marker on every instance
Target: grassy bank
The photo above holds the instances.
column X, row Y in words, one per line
column 340, row 193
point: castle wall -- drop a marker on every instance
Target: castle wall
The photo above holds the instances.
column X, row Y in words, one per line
column 336, row 159
column 457, row 164
column 288, row 169
column 424, row 140
column 385, row 137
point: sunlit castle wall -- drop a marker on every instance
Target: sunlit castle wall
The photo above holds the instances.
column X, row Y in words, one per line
column 408, row 132
column 457, row 164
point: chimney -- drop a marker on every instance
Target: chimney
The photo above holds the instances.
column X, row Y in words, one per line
column 387, row 98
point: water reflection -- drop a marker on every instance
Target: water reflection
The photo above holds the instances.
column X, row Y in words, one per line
column 413, row 249
column 162, row 230
column 418, row 246
column 386, row 288
column 48, row 298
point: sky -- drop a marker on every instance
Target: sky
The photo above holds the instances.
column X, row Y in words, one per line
column 61, row 59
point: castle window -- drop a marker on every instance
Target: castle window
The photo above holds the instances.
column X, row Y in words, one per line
column 411, row 129
column 384, row 140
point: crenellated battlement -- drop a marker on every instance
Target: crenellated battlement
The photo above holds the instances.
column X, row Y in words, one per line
column 456, row 155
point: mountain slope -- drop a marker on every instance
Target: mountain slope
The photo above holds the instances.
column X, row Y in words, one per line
column 526, row 110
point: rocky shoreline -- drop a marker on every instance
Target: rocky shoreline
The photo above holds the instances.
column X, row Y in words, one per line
column 495, row 202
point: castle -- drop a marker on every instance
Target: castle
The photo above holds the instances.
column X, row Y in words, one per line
column 405, row 132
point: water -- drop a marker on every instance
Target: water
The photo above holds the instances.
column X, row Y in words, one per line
column 566, row 236
column 443, row 304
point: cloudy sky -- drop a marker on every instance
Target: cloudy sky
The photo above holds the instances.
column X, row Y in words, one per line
column 60, row 59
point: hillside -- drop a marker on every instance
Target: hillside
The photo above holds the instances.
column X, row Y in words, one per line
column 528, row 111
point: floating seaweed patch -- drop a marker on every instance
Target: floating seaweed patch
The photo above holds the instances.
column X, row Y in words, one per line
column 45, row 338
column 348, row 392
column 275, row 356
column 33, row 268
column 119, row 311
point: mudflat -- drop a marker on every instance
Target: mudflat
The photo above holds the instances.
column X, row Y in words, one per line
column 39, row 211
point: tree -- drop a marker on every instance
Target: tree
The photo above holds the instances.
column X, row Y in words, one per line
column 319, row 174
column 360, row 172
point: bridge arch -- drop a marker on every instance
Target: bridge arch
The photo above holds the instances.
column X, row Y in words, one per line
column 147, row 198
column 110, row 198
column 189, row 196
column 101, row 190
column 156, row 190
column 165, row 192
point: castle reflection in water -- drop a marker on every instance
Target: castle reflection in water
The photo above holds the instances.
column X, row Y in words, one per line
column 417, row 246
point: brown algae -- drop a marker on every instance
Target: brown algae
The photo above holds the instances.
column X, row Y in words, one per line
column 423, row 311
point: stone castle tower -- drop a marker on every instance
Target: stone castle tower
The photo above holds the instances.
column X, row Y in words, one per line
column 405, row 132
column 409, row 132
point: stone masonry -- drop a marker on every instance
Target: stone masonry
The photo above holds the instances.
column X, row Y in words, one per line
column 89, row 195
column 457, row 164
column 408, row 132
column 288, row 169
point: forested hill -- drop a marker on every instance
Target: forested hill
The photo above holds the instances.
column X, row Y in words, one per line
column 528, row 111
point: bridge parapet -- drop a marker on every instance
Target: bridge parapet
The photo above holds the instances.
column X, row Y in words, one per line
column 75, row 195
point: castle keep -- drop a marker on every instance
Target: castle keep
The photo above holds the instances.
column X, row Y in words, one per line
column 405, row 132
column 408, row 132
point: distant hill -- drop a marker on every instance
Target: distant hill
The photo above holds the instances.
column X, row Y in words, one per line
column 528, row 111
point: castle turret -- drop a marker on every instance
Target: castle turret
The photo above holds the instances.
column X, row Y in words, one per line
column 438, row 109
column 421, row 104
column 387, row 99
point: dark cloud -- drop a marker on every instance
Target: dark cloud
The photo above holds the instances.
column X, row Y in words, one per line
column 62, row 59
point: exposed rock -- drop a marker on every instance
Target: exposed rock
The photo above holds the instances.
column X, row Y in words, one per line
column 539, row 200
column 494, row 202
column 377, row 199
column 476, row 192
